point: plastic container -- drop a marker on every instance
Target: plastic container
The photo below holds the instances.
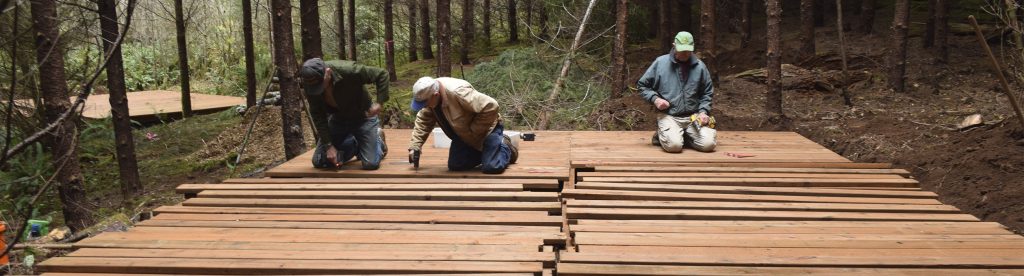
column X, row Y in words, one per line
column 441, row 140
column 512, row 134
column 3, row 244
column 36, row 229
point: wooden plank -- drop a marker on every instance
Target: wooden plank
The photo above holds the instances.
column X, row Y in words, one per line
column 551, row 207
column 346, row 225
column 114, row 242
column 850, row 224
column 589, row 269
column 340, row 236
column 764, row 206
column 196, row 188
column 896, row 258
column 244, row 266
column 585, row 163
column 800, row 240
column 148, row 274
column 739, row 174
column 286, row 254
column 679, row 169
column 754, row 190
column 539, row 183
column 672, row 196
column 497, row 219
column 768, row 182
column 677, row 214
column 771, row 229
column 327, row 211
column 389, row 195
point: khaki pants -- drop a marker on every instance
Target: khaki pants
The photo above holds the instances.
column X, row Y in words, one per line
column 675, row 132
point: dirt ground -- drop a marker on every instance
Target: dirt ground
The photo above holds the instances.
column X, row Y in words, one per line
column 978, row 170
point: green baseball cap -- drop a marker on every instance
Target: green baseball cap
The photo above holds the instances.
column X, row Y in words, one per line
column 683, row 42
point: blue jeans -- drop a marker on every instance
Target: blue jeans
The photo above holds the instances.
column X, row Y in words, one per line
column 493, row 159
column 358, row 138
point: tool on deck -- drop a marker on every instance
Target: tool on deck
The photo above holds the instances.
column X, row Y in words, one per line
column 695, row 122
column 414, row 158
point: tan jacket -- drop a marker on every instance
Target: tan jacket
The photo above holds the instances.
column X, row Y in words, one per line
column 472, row 115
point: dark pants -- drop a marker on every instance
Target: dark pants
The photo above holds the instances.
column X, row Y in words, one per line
column 358, row 138
column 493, row 159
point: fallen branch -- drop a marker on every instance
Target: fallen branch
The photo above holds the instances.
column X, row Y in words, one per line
column 999, row 71
column 544, row 118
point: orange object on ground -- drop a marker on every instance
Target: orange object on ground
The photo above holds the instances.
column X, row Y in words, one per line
column 3, row 244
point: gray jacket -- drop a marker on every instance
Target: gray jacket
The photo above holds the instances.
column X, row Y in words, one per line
column 663, row 80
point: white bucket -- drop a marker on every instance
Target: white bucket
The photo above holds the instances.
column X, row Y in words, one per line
column 441, row 140
column 512, row 134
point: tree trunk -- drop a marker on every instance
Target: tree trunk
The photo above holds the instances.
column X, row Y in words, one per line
column 707, row 32
column 291, row 100
column 62, row 142
column 487, row 23
column 412, row 31
column 543, row 20
column 467, row 31
column 773, row 104
column 389, row 39
column 186, row 90
column 428, row 52
column 942, row 30
column 867, row 16
column 529, row 15
column 928, row 38
column 352, row 50
column 128, row 166
column 664, row 23
column 745, row 25
column 513, row 25
column 807, row 28
column 544, row 116
column 340, row 20
column 843, row 89
column 444, row 38
column 309, row 15
column 619, row 50
column 819, row 12
column 250, row 54
column 898, row 52
column 653, row 19
column 685, row 16
column 1012, row 8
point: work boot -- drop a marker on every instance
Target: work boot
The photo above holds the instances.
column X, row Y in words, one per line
column 655, row 140
column 383, row 143
column 513, row 145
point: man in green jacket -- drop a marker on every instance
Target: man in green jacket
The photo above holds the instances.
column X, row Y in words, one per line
column 343, row 112
column 679, row 85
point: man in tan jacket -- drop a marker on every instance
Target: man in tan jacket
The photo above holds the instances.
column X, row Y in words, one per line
column 469, row 118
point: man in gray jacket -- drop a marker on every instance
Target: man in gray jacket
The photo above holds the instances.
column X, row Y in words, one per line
column 679, row 85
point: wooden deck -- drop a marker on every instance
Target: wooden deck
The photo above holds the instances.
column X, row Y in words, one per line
column 153, row 105
column 578, row 203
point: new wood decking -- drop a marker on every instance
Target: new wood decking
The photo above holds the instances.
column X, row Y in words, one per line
column 578, row 203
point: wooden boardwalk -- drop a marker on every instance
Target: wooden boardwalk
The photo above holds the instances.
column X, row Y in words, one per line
column 146, row 106
column 764, row 203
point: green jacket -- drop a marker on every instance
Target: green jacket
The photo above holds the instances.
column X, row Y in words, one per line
column 350, row 95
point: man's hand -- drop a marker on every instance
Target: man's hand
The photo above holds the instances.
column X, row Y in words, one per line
column 660, row 104
column 328, row 80
column 373, row 111
column 414, row 157
column 703, row 118
column 332, row 156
